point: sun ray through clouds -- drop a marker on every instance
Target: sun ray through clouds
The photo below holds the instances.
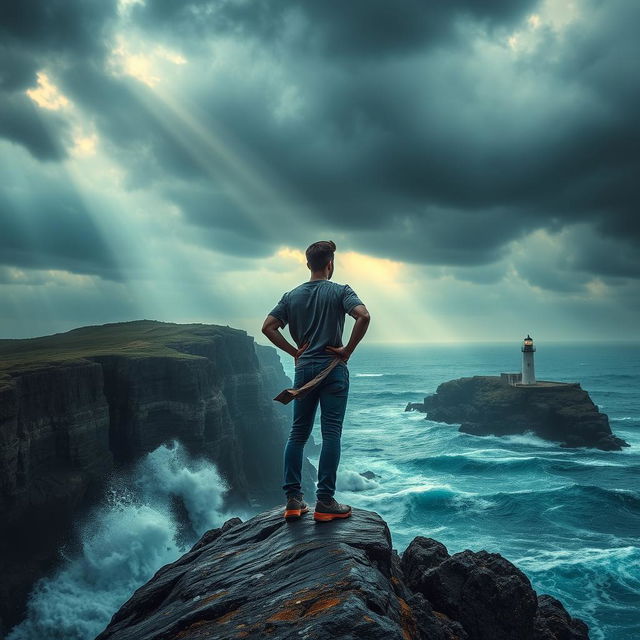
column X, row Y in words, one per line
column 267, row 207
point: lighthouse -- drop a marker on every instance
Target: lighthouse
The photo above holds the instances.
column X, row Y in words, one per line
column 528, row 371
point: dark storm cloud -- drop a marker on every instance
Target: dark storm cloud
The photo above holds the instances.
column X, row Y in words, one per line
column 417, row 149
column 609, row 257
column 44, row 224
column 204, row 203
column 61, row 26
column 401, row 136
column 35, row 33
column 21, row 121
column 367, row 28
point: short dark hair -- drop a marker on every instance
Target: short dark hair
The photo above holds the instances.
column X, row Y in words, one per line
column 320, row 253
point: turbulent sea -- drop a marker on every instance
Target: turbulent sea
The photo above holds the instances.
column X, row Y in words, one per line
column 568, row 518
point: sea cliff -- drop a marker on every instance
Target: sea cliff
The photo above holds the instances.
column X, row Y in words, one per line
column 268, row 578
column 488, row 405
column 77, row 406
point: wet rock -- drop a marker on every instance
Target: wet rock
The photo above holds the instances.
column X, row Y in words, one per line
column 609, row 442
column 266, row 578
column 552, row 621
column 489, row 596
column 270, row 578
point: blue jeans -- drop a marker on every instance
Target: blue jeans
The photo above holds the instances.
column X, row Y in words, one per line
column 331, row 394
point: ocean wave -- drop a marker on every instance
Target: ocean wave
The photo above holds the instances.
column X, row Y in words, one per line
column 611, row 511
column 455, row 463
column 548, row 560
column 587, row 497
column 575, row 539
column 369, row 375
column 123, row 543
column 597, row 584
column 528, row 438
column 383, row 394
column 353, row 481
column 436, row 498
column 462, row 463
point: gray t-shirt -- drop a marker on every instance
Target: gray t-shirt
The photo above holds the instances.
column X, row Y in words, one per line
column 315, row 312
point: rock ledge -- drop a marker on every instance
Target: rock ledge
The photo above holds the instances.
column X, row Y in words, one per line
column 266, row 578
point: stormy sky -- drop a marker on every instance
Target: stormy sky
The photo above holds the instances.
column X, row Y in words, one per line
column 475, row 161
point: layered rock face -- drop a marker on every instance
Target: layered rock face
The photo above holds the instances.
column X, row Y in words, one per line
column 487, row 405
column 268, row 578
column 76, row 406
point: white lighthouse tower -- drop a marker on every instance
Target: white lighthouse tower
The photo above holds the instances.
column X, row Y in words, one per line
column 528, row 371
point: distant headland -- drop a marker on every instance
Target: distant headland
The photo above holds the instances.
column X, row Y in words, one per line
column 514, row 403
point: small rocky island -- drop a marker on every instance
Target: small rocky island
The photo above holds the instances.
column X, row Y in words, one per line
column 267, row 578
column 513, row 403
column 489, row 405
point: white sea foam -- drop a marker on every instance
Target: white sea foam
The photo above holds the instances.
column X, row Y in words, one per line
column 369, row 375
column 600, row 575
column 526, row 438
column 352, row 481
column 588, row 556
column 123, row 544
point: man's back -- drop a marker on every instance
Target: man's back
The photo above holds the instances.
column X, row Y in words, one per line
column 315, row 311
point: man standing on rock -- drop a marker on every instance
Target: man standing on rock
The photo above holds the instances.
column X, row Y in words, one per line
column 315, row 312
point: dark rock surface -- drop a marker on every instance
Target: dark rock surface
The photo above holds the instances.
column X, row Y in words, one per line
column 77, row 406
column 487, row 405
column 266, row 578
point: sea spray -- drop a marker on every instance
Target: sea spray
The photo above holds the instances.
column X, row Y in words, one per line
column 348, row 480
column 124, row 542
column 168, row 471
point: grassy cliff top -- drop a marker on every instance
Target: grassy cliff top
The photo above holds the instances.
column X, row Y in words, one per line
column 134, row 338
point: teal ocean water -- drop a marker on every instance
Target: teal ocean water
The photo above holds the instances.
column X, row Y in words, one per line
column 569, row 518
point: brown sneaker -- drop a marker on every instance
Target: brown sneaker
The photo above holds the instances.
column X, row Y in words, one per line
column 296, row 506
column 329, row 509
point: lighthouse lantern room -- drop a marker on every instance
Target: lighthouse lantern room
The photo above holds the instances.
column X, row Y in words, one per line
column 528, row 370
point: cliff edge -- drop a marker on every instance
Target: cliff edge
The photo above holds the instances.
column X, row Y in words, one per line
column 268, row 578
column 488, row 405
column 79, row 405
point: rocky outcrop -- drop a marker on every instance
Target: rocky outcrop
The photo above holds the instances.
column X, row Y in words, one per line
column 487, row 405
column 266, row 578
column 76, row 406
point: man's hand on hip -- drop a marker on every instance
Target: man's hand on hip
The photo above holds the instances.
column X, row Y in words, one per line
column 299, row 352
column 341, row 352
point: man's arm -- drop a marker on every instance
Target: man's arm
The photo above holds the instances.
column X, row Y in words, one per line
column 271, row 329
column 360, row 313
